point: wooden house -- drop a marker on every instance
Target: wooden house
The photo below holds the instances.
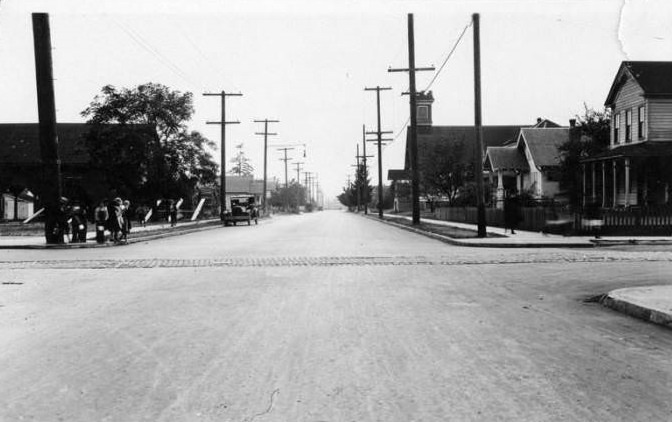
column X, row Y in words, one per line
column 635, row 170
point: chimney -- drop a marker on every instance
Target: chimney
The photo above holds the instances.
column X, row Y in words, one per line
column 572, row 122
column 574, row 131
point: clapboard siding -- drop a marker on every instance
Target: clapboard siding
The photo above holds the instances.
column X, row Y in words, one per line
column 660, row 119
column 630, row 96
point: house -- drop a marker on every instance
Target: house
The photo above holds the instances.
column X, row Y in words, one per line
column 457, row 141
column 237, row 186
column 634, row 171
column 21, row 164
column 17, row 207
column 530, row 164
column 400, row 187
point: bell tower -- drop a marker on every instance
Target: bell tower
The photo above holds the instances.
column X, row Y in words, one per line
column 423, row 103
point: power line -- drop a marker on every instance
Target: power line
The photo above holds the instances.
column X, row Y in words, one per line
column 452, row 50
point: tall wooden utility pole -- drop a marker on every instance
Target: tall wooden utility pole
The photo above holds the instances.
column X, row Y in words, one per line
column 298, row 183
column 359, row 188
column 223, row 123
column 46, row 109
column 266, row 135
column 415, row 173
column 285, row 160
column 380, row 149
column 365, row 171
column 479, row 128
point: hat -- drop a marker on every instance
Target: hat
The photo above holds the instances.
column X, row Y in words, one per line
column 117, row 200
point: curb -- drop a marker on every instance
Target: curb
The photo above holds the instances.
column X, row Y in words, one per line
column 637, row 311
column 612, row 242
column 206, row 225
column 482, row 244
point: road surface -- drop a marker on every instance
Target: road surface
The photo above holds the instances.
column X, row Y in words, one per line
column 327, row 317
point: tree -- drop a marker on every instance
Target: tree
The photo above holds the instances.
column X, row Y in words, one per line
column 165, row 161
column 443, row 169
column 289, row 198
column 241, row 164
column 591, row 137
column 348, row 197
column 362, row 186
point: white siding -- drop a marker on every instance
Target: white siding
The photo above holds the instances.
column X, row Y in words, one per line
column 659, row 120
column 630, row 96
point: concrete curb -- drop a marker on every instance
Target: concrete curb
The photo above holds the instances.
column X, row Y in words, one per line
column 482, row 243
column 614, row 242
column 142, row 236
column 611, row 300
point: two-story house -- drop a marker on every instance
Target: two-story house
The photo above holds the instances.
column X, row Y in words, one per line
column 635, row 170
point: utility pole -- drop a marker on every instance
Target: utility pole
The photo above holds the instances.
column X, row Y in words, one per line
column 479, row 127
column 365, row 170
column 357, row 183
column 380, row 150
column 307, row 174
column 46, row 108
column 415, row 174
column 266, row 135
column 223, row 123
column 285, row 160
column 298, row 184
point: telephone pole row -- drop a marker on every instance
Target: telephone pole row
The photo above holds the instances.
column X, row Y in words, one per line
column 380, row 149
column 365, row 170
column 223, row 123
column 266, row 135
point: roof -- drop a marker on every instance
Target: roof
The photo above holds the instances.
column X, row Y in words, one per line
column 245, row 185
column 400, row 174
column 20, row 143
column 505, row 158
column 655, row 78
column 644, row 149
column 543, row 144
column 430, row 135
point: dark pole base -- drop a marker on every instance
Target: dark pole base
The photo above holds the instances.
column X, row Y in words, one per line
column 481, row 221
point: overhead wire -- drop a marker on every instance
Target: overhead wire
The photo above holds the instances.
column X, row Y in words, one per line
column 436, row 75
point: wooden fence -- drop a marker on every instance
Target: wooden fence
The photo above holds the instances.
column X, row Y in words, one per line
column 643, row 221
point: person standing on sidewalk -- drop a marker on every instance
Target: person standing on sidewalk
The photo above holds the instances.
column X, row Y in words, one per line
column 172, row 210
column 512, row 213
column 101, row 215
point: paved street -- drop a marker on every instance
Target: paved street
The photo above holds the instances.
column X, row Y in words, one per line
column 327, row 317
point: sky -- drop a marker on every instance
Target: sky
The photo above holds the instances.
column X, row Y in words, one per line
column 307, row 62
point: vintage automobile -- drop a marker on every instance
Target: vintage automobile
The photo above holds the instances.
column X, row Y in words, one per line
column 243, row 209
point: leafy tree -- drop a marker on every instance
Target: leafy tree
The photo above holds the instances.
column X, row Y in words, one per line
column 592, row 137
column 348, row 197
column 443, row 170
column 289, row 198
column 166, row 161
column 241, row 163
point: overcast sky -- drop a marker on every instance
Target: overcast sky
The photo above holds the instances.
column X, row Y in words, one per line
column 306, row 64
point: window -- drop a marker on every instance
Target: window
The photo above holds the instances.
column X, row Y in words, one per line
column 423, row 113
column 628, row 125
column 617, row 126
column 640, row 125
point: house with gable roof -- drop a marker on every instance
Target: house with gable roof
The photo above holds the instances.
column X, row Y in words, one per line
column 530, row 164
column 634, row 170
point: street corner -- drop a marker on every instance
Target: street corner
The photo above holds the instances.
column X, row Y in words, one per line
column 649, row 303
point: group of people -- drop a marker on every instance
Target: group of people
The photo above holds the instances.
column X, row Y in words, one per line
column 114, row 216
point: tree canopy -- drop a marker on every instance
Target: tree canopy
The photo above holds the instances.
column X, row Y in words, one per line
column 444, row 171
column 593, row 137
column 241, row 163
column 141, row 141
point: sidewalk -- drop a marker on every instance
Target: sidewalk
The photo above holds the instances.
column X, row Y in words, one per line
column 138, row 234
column 526, row 239
column 652, row 303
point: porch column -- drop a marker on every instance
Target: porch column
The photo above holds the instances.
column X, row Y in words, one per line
column 627, row 182
column 583, row 193
column 500, row 190
column 614, row 180
column 594, row 184
column 604, row 185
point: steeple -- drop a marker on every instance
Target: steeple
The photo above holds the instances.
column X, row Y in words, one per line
column 424, row 102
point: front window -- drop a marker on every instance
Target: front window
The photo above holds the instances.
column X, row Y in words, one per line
column 628, row 126
column 640, row 126
column 617, row 126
